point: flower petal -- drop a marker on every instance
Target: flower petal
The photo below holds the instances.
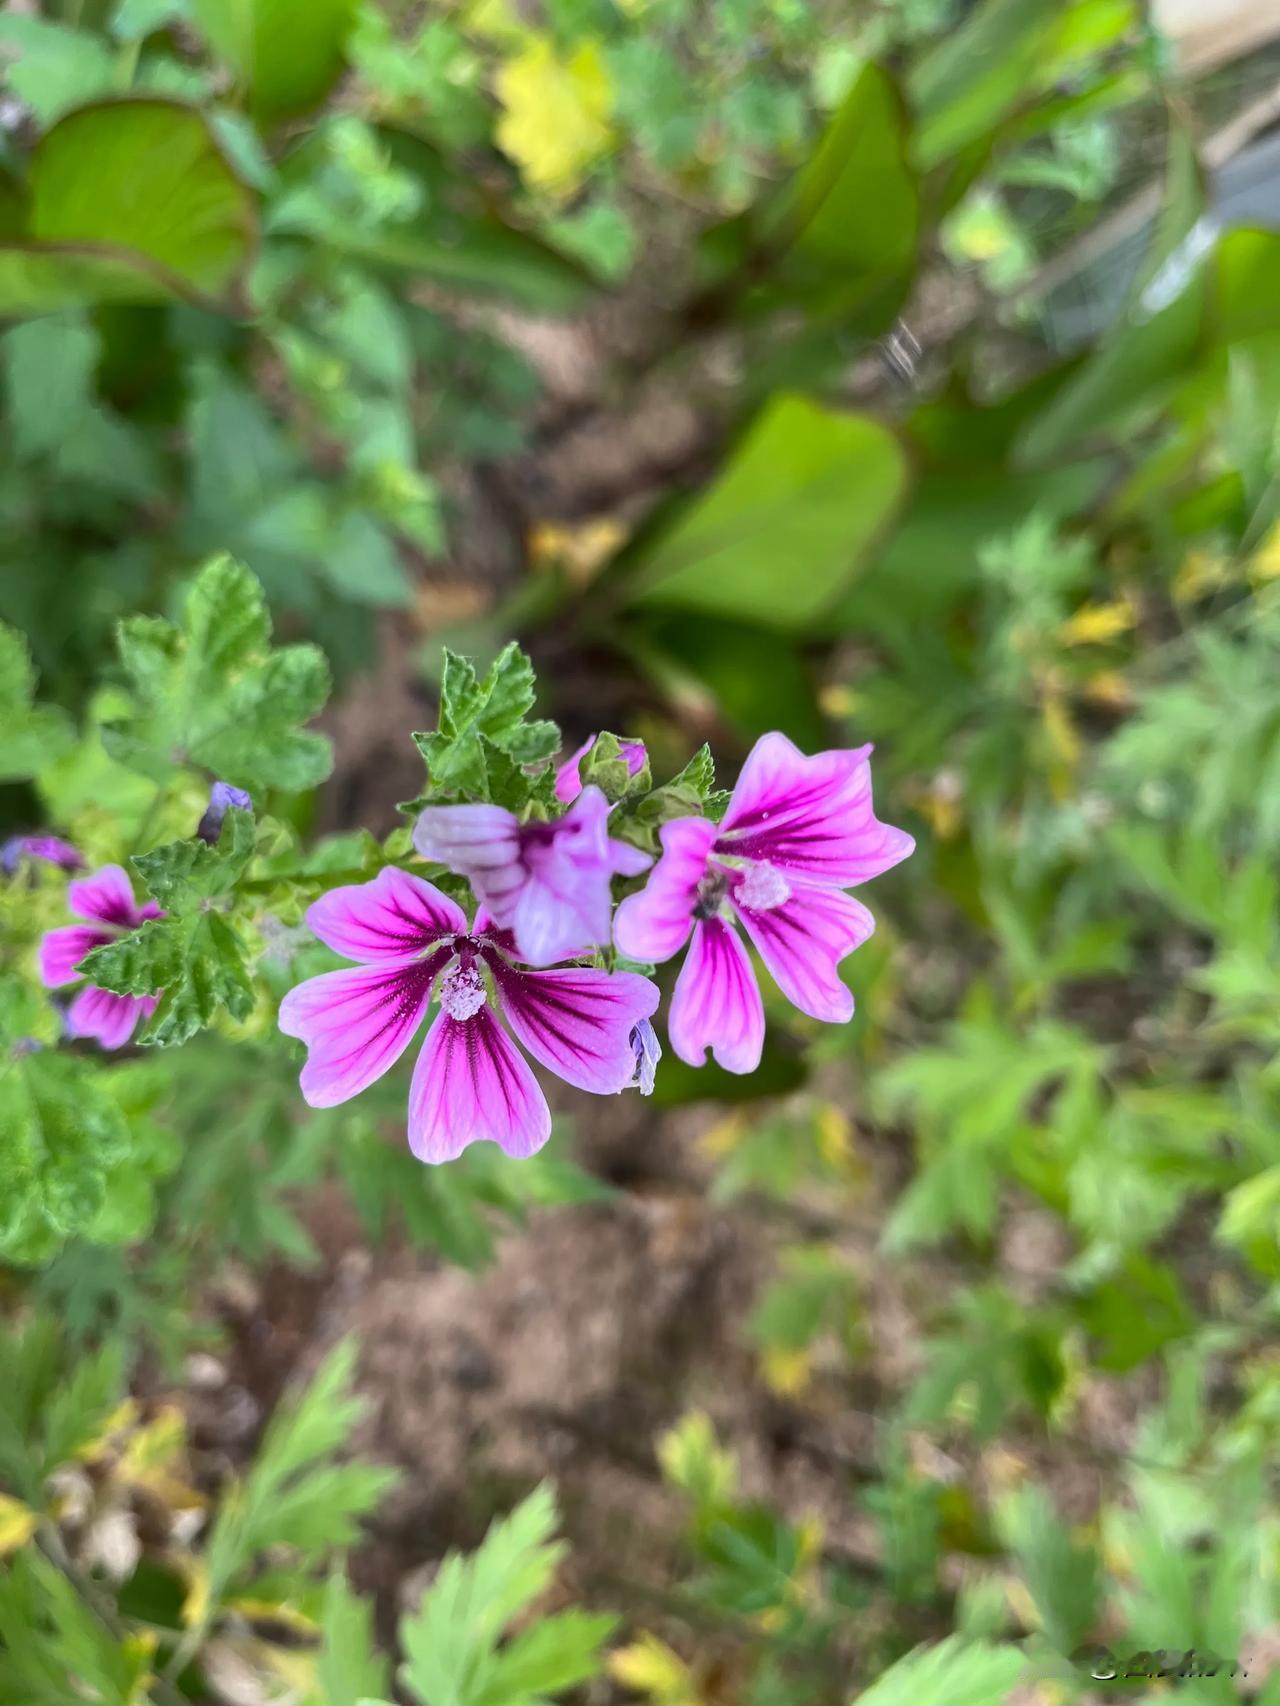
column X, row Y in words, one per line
column 803, row 941
column 394, row 915
column 357, row 1023
column 810, row 815
column 578, row 1023
column 62, row 950
column 568, row 776
column 626, row 860
column 470, row 1086
column 654, row 924
column 564, row 907
column 480, row 842
column 111, row 1019
column 106, row 897
column 716, row 1002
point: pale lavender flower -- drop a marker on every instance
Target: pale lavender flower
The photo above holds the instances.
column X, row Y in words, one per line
column 548, row 883
column 470, row 1083
column 799, row 830
column 106, row 900
column 51, row 848
column 569, row 775
column 222, row 798
column 648, row 1052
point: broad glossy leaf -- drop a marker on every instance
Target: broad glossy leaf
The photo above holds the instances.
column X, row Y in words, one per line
column 976, row 74
column 128, row 201
column 849, row 218
column 288, row 53
column 783, row 528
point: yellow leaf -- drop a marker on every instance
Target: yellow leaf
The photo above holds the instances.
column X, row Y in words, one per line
column 580, row 548
column 1108, row 687
column 274, row 1611
column 1200, row 572
column 1064, row 741
column 786, row 1372
column 17, row 1524
column 1095, row 624
column 692, row 1460
column 120, row 1419
column 1264, row 565
column 838, row 699
column 195, row 1607
column 555, row 121
column 835, row 1136
column 650, row 1667
column 723, row 1137
column 494, row 21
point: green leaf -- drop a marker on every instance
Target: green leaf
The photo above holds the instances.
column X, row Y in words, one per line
column 128, row 201
column 53, row 1643
column 49, row 1413
column 848, row 220
column 976, row 74
column 350, row 1668
column 31, row 736
column 61, row 1136
column 1137, row 1313
column 216, row 693
column 453, row 1655
column 52, row 68
column 287, row 53
column 193, row 957
column 296, row 1495
column 1062, row 1577
column 483, row 738
column 782, row 529
column 195, row 963
column 953, row 1673
column 183, row 873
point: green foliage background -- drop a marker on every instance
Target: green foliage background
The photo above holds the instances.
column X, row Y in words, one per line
column 267, row 273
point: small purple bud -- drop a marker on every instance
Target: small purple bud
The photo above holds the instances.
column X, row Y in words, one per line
column 648, row 1052
column 569, row 775
column 51, row 848
column 222, row 798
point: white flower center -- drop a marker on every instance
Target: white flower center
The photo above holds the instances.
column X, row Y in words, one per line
column 462, row 992
column 761, row 887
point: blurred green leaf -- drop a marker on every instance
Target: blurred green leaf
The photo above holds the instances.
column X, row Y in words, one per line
column 287, row 53
column 783, row 528
column 128, row 201
column 52, row 67
column 952, row 1673
column 848, row 220
column 216, row 693
column 31, row 736
column 964, row 86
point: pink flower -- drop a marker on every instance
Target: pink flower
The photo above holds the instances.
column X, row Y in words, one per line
column 106, row 900
column 470, row 1082
column 548, row 883
column 569, row 778
column 798, row 832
